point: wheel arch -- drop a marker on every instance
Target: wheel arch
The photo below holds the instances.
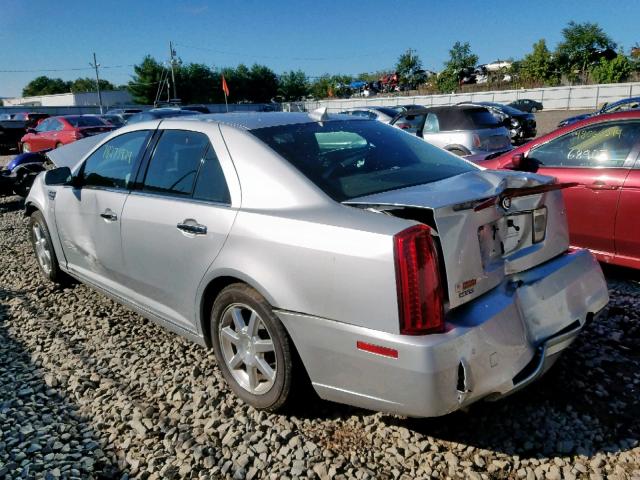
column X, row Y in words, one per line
column 211, row 289
column 456, row 146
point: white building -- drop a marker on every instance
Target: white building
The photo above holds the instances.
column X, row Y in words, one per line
column 109, row 98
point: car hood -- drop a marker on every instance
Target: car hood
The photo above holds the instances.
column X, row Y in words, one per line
column 69, row 155
column 466, row 187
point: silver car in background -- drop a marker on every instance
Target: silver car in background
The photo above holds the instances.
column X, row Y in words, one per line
column 382, row 114
column 392, row 274
column 460, row 129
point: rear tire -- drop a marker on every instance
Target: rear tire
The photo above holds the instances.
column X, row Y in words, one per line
column 253, row 349
column 43, row 248
column 457, row 151
column 534, row 109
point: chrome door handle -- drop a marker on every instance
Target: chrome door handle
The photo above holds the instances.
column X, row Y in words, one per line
column 600, row 185
column 109, row 215
column 194, row 228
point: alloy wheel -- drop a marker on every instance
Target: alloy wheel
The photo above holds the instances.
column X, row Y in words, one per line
column 43, row 253
column 248, row 349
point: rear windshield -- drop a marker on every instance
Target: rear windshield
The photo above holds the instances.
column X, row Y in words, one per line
column 85, row 121
column 349, row 159
column 466, row 119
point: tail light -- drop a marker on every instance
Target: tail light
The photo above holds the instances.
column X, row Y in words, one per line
column 420, row 298
column 403, row 126
column 476, row 140
column 539, row 224
column 77, row 135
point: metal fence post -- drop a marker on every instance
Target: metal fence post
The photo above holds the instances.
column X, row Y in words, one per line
column 597, row 96
column 569, row 98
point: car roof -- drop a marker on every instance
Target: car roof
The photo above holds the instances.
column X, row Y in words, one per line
column 255, row 120
column 624, row 100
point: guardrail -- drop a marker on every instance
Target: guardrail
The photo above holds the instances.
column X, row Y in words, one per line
column 553, row 98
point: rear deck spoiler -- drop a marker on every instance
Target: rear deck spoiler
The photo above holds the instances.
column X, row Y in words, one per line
column 522, row 192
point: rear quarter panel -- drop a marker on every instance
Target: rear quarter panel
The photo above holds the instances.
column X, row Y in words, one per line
column 336, row 263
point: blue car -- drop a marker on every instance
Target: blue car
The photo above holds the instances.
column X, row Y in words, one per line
column 18, row 175
column 620, row 105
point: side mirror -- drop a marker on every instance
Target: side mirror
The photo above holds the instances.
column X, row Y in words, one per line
column 524, row 164
column 58, row 176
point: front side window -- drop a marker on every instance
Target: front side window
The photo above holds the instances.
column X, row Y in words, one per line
column 605, row 145
column 175, row 162
column 352, row 158
column 111, row 165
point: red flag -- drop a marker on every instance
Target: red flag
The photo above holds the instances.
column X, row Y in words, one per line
column 225, row 87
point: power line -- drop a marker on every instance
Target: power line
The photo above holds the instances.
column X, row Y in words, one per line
column 72, row 69
column 272, row 57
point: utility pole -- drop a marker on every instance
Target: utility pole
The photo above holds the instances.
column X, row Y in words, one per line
column 95, row 65
column 173, row 77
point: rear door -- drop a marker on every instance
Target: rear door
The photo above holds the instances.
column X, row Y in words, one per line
column 627, row 227
column 597, row 157
column 175, row 224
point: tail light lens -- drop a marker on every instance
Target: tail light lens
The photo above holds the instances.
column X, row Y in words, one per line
column 77, row 135
column 476, row 140
column 403, row 126
column 420, row 298
column 539, row 224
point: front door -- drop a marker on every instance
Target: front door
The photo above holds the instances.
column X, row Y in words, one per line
column 175, row 225
column 88, row 216
column 598, row 158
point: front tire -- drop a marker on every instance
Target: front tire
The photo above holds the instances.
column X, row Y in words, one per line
column 534, row 109
column 252, row 347
column 43, row 248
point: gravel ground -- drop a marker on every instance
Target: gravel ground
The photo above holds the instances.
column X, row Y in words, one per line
column 89, row 389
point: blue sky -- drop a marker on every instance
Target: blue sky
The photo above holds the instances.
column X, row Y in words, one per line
column 315, row 36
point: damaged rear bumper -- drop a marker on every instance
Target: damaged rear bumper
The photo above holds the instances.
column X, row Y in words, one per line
column 493, row 346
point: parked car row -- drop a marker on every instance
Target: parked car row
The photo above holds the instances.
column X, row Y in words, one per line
column 462, row 129
column 333, row 249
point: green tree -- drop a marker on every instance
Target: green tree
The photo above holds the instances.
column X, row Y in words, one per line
column 145, row 80
column 580, row 42
column 87, row 84
column 262, row 84
column 612, row 71
column 409, row 68
column 460, row 57
column 293, row 86
column 44, row 85
column 538, row 66
column 197, row 83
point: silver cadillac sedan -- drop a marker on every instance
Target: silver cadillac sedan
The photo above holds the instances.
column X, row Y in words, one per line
column 391, row 274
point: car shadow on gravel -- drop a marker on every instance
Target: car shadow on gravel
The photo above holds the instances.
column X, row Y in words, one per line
column 12, row 204
column 41, row 431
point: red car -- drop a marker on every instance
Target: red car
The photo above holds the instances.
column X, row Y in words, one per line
column 53, row 132
column 600, row 154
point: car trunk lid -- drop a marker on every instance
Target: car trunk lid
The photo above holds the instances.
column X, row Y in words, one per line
column 485, row 222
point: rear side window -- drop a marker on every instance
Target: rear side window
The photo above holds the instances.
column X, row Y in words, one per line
column 211, row 185
column 604, row 145
column 111, row 165
column 175, row 163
